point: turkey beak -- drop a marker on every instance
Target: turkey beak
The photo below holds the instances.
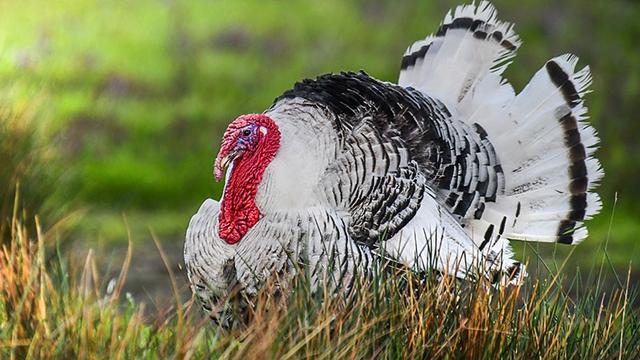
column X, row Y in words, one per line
column 222, row 163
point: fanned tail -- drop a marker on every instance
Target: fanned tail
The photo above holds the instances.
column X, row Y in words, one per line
column 542, row 142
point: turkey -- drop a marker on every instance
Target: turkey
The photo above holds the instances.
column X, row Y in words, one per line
column 437, row 172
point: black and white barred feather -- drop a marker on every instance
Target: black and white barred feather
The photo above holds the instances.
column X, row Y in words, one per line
column 543, row 144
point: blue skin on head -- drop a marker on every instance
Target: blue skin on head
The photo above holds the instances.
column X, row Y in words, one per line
column 248, row 138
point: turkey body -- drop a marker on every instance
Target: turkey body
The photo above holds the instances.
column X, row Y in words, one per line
column 436, row 172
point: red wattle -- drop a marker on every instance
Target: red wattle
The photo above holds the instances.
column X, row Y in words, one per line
column 238, row 209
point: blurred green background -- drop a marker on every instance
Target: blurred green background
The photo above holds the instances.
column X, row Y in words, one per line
column 112, row 111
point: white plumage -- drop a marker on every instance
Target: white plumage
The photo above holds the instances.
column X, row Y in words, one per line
column 437, row 172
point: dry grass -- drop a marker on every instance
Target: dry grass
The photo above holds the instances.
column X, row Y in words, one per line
column 52, row 309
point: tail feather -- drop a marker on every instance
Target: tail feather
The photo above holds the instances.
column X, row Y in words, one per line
column 468, row 53
column 546, row 148
column 541, row 138
column 555, row 171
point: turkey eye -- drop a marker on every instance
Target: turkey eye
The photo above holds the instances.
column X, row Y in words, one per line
column 246, row 132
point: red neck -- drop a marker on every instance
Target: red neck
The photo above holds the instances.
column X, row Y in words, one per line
column 238, row 210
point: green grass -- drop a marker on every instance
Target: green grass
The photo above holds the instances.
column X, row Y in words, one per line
column 51, row 307
column 27, row 159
